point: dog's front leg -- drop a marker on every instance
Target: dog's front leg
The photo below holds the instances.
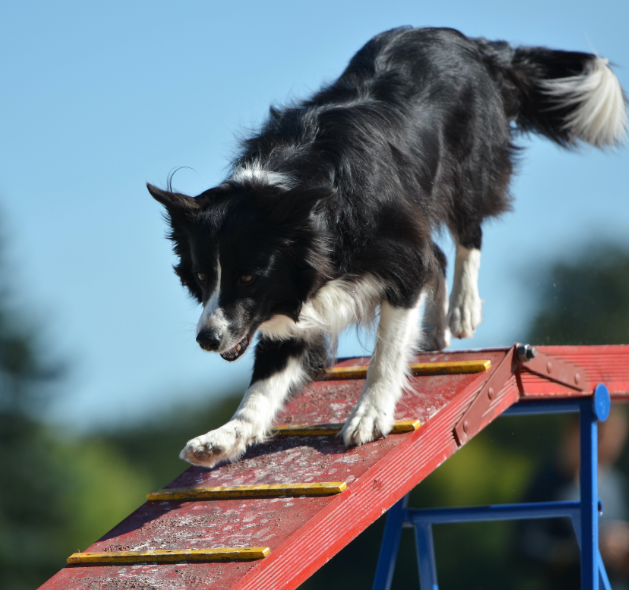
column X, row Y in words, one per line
column 278, row 370
column 397, row 338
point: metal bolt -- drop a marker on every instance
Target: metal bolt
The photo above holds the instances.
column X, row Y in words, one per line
column 466, row 426
column 577, row 378
column 549, row 367
column 490, row 393
column 525, row 353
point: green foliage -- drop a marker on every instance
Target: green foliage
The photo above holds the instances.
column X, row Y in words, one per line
column 585, row 301
column 30, row 497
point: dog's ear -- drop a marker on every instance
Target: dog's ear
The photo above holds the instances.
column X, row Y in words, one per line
column 178, row 206
column 293, row 206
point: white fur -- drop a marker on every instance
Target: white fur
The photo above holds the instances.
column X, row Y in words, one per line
column 601, row 115
column 336, row 305
column 212, row 316
column 374, row 413
column 255, row 172
column 465, row 311
column 435, row 321
column 250, row 423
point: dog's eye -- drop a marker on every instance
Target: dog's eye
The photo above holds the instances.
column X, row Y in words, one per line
column 246, row 278
column 201, row 277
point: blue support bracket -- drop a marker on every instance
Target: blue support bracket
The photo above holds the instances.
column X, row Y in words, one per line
column 584, row 514
column 390, row 544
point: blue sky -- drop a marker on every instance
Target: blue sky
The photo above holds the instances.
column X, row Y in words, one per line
column 99, row 98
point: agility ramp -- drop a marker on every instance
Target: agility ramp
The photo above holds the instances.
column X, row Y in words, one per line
column 270, row 520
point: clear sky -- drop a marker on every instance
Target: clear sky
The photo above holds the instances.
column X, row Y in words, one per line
column 100, row 97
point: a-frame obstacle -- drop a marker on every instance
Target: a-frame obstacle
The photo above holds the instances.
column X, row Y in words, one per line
column 270, row 520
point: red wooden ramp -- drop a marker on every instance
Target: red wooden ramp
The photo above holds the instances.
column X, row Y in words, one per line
column 281, row 541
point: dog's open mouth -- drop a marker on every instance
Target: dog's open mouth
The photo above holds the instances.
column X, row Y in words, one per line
column 237, row 351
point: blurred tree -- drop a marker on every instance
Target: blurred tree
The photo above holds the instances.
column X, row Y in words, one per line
column 31, row 490
column 585, row 301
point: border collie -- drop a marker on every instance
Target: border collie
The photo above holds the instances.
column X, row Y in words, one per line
column 327, row 216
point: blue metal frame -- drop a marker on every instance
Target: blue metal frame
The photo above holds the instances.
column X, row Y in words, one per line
column 584, row 514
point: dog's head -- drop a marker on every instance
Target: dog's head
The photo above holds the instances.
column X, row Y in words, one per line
column 248, row 253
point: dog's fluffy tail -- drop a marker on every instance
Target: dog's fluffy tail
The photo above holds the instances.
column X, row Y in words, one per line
column 564, row 95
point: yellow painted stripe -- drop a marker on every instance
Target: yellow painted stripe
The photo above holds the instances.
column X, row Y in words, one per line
column 405, row 426
column 160, row 556
column 329, row 429
column 451, row 368
column 417, row 369
column 326, row 488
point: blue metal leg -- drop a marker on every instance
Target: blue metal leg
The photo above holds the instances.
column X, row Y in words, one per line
column 591, row 413
column 390, row 544
column 589, row 499
column 584, row 514
column 426, row 557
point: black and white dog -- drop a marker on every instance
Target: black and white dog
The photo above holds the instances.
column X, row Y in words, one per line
column 327, row 216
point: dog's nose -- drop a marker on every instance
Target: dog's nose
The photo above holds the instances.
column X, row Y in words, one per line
column 209, row 338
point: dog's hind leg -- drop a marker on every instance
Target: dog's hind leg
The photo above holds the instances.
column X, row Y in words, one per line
column 465, row 312
column 281, row 366
column 396, row 340
column 436, row 332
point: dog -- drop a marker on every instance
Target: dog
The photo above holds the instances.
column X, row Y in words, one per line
column 327, row 217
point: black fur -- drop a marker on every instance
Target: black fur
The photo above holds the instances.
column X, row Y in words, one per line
column 416, row 134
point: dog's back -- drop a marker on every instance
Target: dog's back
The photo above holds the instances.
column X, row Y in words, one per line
column 329, row 211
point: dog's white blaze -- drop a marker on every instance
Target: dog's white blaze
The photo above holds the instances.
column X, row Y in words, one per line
column 337, row 305
column 212, row 315
column 255, row 172
column 397, row 339
column 465, row 312
column 601, row 115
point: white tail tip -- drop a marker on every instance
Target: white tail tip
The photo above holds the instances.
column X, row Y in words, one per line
column 597, row 103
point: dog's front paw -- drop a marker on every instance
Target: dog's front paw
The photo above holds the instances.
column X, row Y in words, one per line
column 227, row 443
column 465, row 313
column 366, row 423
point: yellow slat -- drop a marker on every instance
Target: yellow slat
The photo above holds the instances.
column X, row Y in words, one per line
column 330, row 429
column 326, row 488
column 417, row 369
column 165, row 556
column 451, row 367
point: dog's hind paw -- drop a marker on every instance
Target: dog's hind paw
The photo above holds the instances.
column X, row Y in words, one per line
column 227, row 443
column 436, row 338
column 465, row 314
column 365, row 424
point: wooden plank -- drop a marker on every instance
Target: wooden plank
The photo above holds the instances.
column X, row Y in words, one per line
column 417, row 369
column 169, row 556
column 399, row 427
column 326, row 488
